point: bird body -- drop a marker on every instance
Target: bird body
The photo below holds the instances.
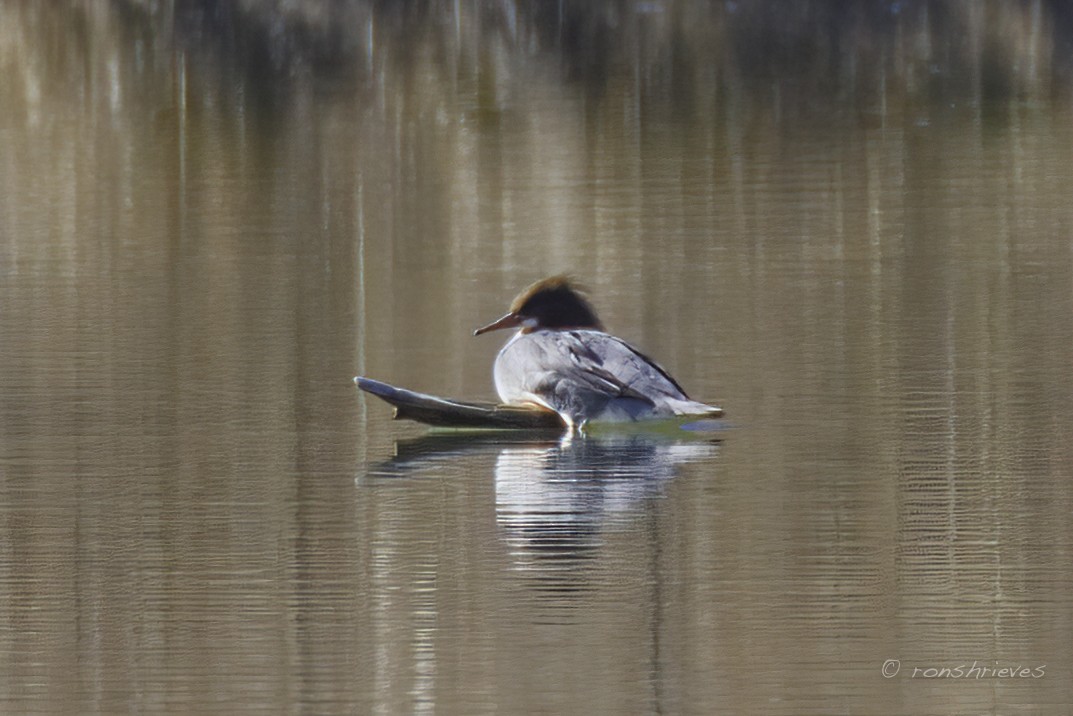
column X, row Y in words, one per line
column 562, row 360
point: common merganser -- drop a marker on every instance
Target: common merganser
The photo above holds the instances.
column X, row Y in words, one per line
column 562, row 360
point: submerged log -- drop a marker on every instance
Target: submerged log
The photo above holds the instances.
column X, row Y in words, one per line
column 441, row 412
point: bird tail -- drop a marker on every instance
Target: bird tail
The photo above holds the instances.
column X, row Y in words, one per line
column 692, row 407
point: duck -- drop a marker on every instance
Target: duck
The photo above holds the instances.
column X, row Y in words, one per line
column 562, row 359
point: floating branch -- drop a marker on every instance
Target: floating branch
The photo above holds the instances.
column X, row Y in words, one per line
column 433, row 410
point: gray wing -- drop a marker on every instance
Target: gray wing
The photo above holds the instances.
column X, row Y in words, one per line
column 579, row 372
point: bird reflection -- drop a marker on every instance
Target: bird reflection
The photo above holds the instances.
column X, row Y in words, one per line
column 556, row 496
column 554, row 503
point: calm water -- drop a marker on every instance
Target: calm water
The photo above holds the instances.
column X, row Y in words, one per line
column 210, row 222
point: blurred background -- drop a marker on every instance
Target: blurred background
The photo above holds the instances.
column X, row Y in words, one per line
column 848, row 223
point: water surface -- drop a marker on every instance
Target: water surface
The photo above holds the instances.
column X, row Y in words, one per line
column 860, row 248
